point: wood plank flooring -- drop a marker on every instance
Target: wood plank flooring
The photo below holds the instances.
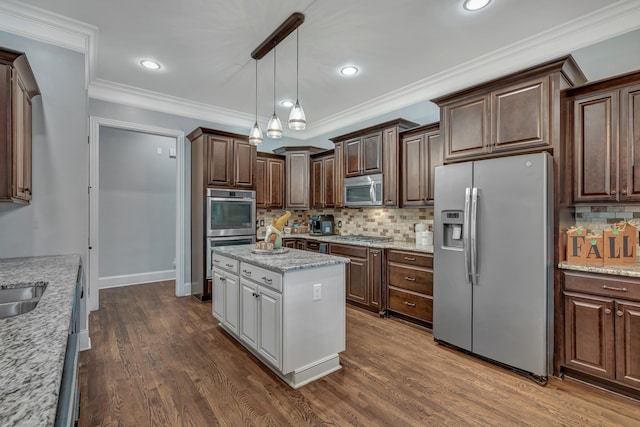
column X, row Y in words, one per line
column 159, row 360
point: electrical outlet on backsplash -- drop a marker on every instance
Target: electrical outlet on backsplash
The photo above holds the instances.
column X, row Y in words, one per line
column 599, row 218
column 396, row 223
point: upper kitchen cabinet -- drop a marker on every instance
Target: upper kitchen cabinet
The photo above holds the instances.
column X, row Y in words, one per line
column 17, row 88
column 323, row 180
column 514, row 114
column 374, row 150
column 604, row 121
column 297, row 185
column 230, row 159
column 421, row 150
column 270, row 181
column 338, row 154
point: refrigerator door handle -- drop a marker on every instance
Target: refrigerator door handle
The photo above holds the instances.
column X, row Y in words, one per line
column 474, row 236
column 465, row 234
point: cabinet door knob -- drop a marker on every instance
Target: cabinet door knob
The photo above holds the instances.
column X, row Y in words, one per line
column 619, row 313
column 613, row 193
column 607, row 311
column 624, row 192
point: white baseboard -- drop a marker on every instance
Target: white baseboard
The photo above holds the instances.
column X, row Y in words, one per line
column 135, row 279
column 84, row 340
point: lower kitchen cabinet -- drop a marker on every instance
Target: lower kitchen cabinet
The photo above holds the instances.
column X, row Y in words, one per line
column 410, row 286
column 225, row 292
column 364, row 276
column 602, row 327
column 293, row 321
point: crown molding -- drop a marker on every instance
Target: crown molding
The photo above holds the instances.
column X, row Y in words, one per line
column 128, row 95
column 610, row 21
column 41, row 25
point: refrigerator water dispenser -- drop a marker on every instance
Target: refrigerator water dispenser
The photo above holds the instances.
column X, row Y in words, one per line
column 452, row 223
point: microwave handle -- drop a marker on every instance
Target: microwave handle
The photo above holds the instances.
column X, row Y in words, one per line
column 372, row 192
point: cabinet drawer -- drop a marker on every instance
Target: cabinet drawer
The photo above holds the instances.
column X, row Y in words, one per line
column 608, row 286
column 420, row 307
column 411, row 258
column 262, row 276
column 412, row 279
column 350, row 251
column 221, row 261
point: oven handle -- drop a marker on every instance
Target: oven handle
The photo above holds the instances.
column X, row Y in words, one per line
column 230, row 199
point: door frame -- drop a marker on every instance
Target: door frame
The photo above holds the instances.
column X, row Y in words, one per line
column 182, row 244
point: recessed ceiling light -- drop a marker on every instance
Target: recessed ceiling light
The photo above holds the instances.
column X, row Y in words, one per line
column 475, row 4
column 349, row 70
column 151, row 65
column 287, row 103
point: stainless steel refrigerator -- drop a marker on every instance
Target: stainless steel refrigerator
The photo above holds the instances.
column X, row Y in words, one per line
column 493, row 254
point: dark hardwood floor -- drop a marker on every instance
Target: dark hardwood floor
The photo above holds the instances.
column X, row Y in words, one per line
column 161, row 360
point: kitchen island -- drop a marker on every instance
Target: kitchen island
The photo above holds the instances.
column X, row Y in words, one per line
column 34, row 344
column 287, row 309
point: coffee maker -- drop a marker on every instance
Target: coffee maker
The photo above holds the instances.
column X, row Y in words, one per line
column 321, row 225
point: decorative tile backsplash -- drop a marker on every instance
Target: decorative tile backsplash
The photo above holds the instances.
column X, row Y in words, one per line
column 599, row 218
column 396, row 223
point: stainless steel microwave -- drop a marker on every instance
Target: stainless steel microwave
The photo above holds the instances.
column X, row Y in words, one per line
column 363, row 191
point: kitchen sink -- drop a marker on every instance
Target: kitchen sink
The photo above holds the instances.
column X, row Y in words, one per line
column 20, row 298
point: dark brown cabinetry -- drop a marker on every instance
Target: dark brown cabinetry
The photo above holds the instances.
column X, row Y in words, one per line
column 517, row 113
column 338, row 154
column 298, row 173
column 373, row 150
column 410, row 279
column 604, row 121
column 421, row 150
column 602, row 327
column 230, row 159
column 17, row 88
column 270, row 181
column 323, row 180
column 364, row 276
column 218, row 159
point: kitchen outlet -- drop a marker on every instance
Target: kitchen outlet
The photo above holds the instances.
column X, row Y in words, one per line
column 317, row 291
column 339, row 224
column 159, row 150
column 262, row 223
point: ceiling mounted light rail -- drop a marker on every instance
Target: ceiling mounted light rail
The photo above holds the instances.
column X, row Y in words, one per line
column 297, row 120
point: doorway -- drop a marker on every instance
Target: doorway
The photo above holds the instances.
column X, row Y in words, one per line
column 107, row 128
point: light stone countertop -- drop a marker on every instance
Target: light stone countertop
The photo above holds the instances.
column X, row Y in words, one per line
column 403, row 246
column 33, row 345
column 292, row 259
column 628, row 271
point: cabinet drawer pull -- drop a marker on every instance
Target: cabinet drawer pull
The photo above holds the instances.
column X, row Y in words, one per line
column 217, row 261
column 607, row 311
column 222, row 279
column 267, row 280
column 407, row 258
column 229, row 265
column 613, row 288
column 411, row 279
column 255, row 294
column 410, row 304
column 619, row 313
column 247, row 272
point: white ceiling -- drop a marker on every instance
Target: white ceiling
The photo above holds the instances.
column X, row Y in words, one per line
column 407, row 50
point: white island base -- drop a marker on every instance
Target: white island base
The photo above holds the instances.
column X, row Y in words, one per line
column 293, row 320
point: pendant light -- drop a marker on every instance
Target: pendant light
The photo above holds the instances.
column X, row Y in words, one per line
column 274, row 127
column 297, row 120
column 255, row 135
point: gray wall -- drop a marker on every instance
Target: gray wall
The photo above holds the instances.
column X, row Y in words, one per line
column 56, row 221
column 137, row 188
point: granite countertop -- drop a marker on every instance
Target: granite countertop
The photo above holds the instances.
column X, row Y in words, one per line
column 628, row 271
column 293, row 259
column 33, row 344
column 403, row 246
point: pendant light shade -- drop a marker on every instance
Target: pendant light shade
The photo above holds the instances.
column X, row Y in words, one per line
column 274, row 127
column 255, row 135
column 297, row 119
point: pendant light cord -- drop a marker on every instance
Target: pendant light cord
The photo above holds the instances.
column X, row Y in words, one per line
column 256, row 91
column 297, row 61
column 274, row 80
